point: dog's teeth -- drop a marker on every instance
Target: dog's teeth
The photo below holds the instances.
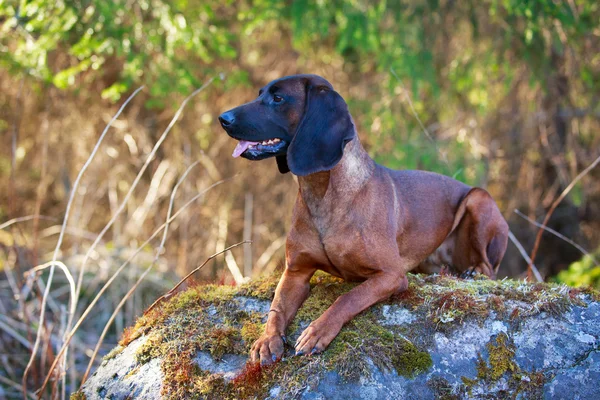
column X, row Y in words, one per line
column 268, row 142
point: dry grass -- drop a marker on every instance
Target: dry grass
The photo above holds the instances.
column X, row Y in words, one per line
column 59, row 314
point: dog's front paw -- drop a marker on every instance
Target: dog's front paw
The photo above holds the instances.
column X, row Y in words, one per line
column 267, row 349
column 316, row 337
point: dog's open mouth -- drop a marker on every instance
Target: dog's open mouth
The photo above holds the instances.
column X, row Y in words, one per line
column 260, row 150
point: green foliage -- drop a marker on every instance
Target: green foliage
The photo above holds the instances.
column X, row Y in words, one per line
column 453, row 56
column 174, row 43
column 161, row 42
column 584, row 272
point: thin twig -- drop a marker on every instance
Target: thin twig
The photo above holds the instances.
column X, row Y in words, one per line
column 15, row 335
column 134, row 185
column 8, row 382
column 24, row 219
column 64, row 269
column 126, row 199
column 521, row 249
column 60, row 239
column 410, row 103
column 266, row 256
column 13, row 148
column 172, row 291
column 248, row 211
column 41, row 186
column 558, row 235
column 89, row 308
column 159, row 251
column 553, row 207
column 445, row 159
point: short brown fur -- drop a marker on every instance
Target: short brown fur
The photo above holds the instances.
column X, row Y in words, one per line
column 363, row 222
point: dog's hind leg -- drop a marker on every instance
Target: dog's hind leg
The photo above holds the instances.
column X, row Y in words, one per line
column 482, row 234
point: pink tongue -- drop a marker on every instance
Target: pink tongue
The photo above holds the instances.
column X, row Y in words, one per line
column 241, row 147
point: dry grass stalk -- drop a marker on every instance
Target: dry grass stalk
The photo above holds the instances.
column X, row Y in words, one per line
column 24, row 219
column 558, row 235
column 553, row 207
column 122, row 206
column 89, row 308
column 134, row 184
column 60, row 239
column 519, row 246
column 445, row 159
column 159, row 251
column 172, row 291
column 414, row 112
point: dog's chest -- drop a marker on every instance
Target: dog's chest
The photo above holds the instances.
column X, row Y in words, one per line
column 343, row 231
column 347, row 249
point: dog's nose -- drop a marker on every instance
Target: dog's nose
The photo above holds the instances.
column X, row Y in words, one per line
column 226, row 118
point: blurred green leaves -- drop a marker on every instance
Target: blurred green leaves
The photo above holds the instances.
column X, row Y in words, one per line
column 172, row 44
column 581, row 273
column 454, row 56
column 169, row 44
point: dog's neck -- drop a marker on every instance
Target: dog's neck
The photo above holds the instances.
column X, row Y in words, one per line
column 344, row 180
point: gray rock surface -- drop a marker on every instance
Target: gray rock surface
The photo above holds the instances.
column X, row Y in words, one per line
column 539, row 354
column 122, row 376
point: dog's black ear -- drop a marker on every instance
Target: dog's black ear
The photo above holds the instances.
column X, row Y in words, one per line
column 282, row 164
column 326, row 127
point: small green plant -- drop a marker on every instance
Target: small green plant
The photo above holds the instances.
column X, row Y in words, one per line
column 584, row 272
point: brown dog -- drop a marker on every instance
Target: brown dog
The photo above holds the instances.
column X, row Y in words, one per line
column 353, row 218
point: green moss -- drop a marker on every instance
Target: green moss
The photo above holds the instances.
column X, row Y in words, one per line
column 211, row 386
column 180, row 373
column 150, row 349
column 219, row 341
column 210, row 294
column 251, row 331
column 113, row 353
column 413, row 297
column 501, row 358
column 411, row 361
column 448, row 300
column 501, row 364
column 497, row 304
column 322, row 295
column 131, row 333
column 585, row 290
column 78, row 395
column 133, row 372
column 363, row 339
column 261, row 288
column 206, row 318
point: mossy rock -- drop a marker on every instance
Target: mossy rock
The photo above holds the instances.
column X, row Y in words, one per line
column 442, row 338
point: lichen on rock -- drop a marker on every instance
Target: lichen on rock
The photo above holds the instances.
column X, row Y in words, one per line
column 443, row 337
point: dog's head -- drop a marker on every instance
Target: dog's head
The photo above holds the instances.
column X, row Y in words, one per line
column 298, row 119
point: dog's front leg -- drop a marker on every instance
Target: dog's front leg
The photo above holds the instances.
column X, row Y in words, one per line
column 317, row 336
column 292, row 290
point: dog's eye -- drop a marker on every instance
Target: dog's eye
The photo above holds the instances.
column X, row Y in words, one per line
column 277, row 99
